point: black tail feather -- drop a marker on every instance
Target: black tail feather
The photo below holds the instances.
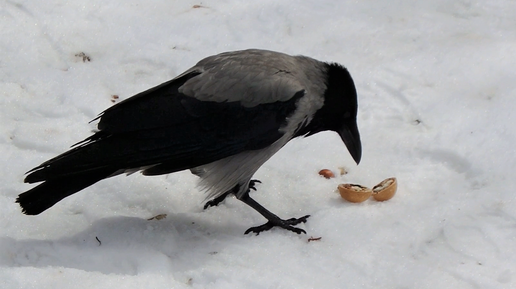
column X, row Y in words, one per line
column 47, row 194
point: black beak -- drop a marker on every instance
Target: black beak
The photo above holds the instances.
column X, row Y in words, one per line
column 351, row 138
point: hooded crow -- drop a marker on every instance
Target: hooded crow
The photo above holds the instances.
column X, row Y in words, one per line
column 222, row 119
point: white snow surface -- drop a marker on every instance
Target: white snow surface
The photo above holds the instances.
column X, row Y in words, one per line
column 437, row 93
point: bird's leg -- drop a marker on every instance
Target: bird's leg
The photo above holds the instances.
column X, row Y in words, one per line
column 219, row 199
column 274, row 221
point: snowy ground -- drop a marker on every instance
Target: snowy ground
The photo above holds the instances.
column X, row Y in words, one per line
column 437, row 86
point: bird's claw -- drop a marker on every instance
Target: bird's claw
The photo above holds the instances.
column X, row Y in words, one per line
column 252, row 184
column 285, row 224
column 216, row 201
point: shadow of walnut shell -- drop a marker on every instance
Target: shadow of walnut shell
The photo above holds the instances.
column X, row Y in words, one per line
column 354, row 193
column 385, row 190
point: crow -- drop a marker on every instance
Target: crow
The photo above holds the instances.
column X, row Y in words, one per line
column 222, row 119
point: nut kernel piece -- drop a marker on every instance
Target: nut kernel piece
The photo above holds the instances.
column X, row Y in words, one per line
column 354, row 193
column 385, row 190
column 326, row 173
column 343, row 171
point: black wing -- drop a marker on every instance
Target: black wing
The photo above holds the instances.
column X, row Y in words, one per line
column 161, row 131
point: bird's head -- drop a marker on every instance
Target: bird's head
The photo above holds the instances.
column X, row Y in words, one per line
column 339, row 112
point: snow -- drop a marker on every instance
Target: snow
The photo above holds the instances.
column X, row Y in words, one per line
column 436, row 84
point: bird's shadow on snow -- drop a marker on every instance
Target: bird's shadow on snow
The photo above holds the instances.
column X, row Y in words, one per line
column 125, row 245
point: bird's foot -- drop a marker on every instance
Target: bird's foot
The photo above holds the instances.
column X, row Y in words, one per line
column 252, row 184
column 219, row 199
column 285, row 224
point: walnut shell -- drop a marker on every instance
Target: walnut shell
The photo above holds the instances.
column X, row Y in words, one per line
column 385, row 190
column 354, row 193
